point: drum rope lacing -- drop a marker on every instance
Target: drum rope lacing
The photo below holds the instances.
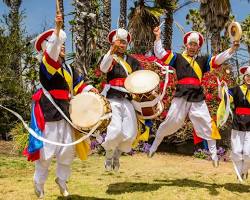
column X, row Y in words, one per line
column 139, row 105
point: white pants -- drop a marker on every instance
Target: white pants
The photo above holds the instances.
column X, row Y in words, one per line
column 122, row 129
column 198, row 114
column 240, row 142
column 59, row 131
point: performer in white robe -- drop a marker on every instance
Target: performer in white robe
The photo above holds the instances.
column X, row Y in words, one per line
column 189, row 97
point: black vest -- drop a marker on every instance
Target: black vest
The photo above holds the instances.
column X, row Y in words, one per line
column 240, row 122
column 56, row 82
column 118, row 72
column 192, row 93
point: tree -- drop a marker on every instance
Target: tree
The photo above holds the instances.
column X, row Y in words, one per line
column 197, row 22
column 106, row 23
column 15, row 90
column 169, row 7
column 123, row 14
column 246, row 32
column 14, row 29
column 142, row 19
column 216, row 14
column 84, row 28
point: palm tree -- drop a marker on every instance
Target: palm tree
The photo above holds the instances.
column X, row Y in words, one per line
column 169, row 7
column 142, row 19
column 84, row 33
column 198, row 23
column 106, row 23
column 216, row 14
column 123, row 14
column 246, row 33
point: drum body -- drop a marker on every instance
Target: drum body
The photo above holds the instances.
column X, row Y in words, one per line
column 87, row 109
column 144, row 87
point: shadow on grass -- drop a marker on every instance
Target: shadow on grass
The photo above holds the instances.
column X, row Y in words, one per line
column 129, row 187
column 78, row 197
column 123, row 187
column 211, row 187
column 233, row 187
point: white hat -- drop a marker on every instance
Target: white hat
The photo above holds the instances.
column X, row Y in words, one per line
column 119, row 33
column 245, row 70
column 43, row 39
column 193, row 36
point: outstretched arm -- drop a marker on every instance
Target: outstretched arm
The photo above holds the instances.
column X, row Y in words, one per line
column 227, row 54
column 159, row 51
column 56, row 40
column 107, row 61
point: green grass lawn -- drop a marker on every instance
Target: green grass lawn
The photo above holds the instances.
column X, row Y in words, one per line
column 163, row 177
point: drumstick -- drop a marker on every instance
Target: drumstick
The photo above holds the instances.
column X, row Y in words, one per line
column 164, row 13
column 58, row 11
column 161, row 24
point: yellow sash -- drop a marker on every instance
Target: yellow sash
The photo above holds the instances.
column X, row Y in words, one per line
column 123, row 63
column 244, row 91
column 195, row 66
column 82, row 148
column 141, row 136
column 215, row 132
column 221, row 109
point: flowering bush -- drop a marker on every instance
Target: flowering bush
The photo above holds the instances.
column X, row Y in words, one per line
column 205, row 154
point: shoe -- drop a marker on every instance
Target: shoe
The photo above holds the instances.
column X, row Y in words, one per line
column 108, row 165
column 244, row 176
column 215, row 163
column 62, row 186
column 39, row 191
column 116, row 165
column 151, row 154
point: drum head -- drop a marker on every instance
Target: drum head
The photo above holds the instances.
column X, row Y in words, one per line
column 235, row 31
column 86, row 109
column 142, row 81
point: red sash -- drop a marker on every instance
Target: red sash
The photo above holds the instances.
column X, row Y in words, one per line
column 242, row 111
column 189, row 81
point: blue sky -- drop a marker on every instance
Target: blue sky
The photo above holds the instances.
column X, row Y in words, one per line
column 41, row 12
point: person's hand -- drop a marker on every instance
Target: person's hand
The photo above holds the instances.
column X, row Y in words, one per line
column 94, row 90
column 234, row 47
column 59, row 23
column 157, row 32
column 115, row 47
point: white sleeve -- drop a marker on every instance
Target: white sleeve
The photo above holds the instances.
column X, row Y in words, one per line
column 54, row 45
column 159, row 51
column 106, row 62
column 223, row 56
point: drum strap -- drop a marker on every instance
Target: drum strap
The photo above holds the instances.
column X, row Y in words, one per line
column 47, row 94
column 33, row 133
